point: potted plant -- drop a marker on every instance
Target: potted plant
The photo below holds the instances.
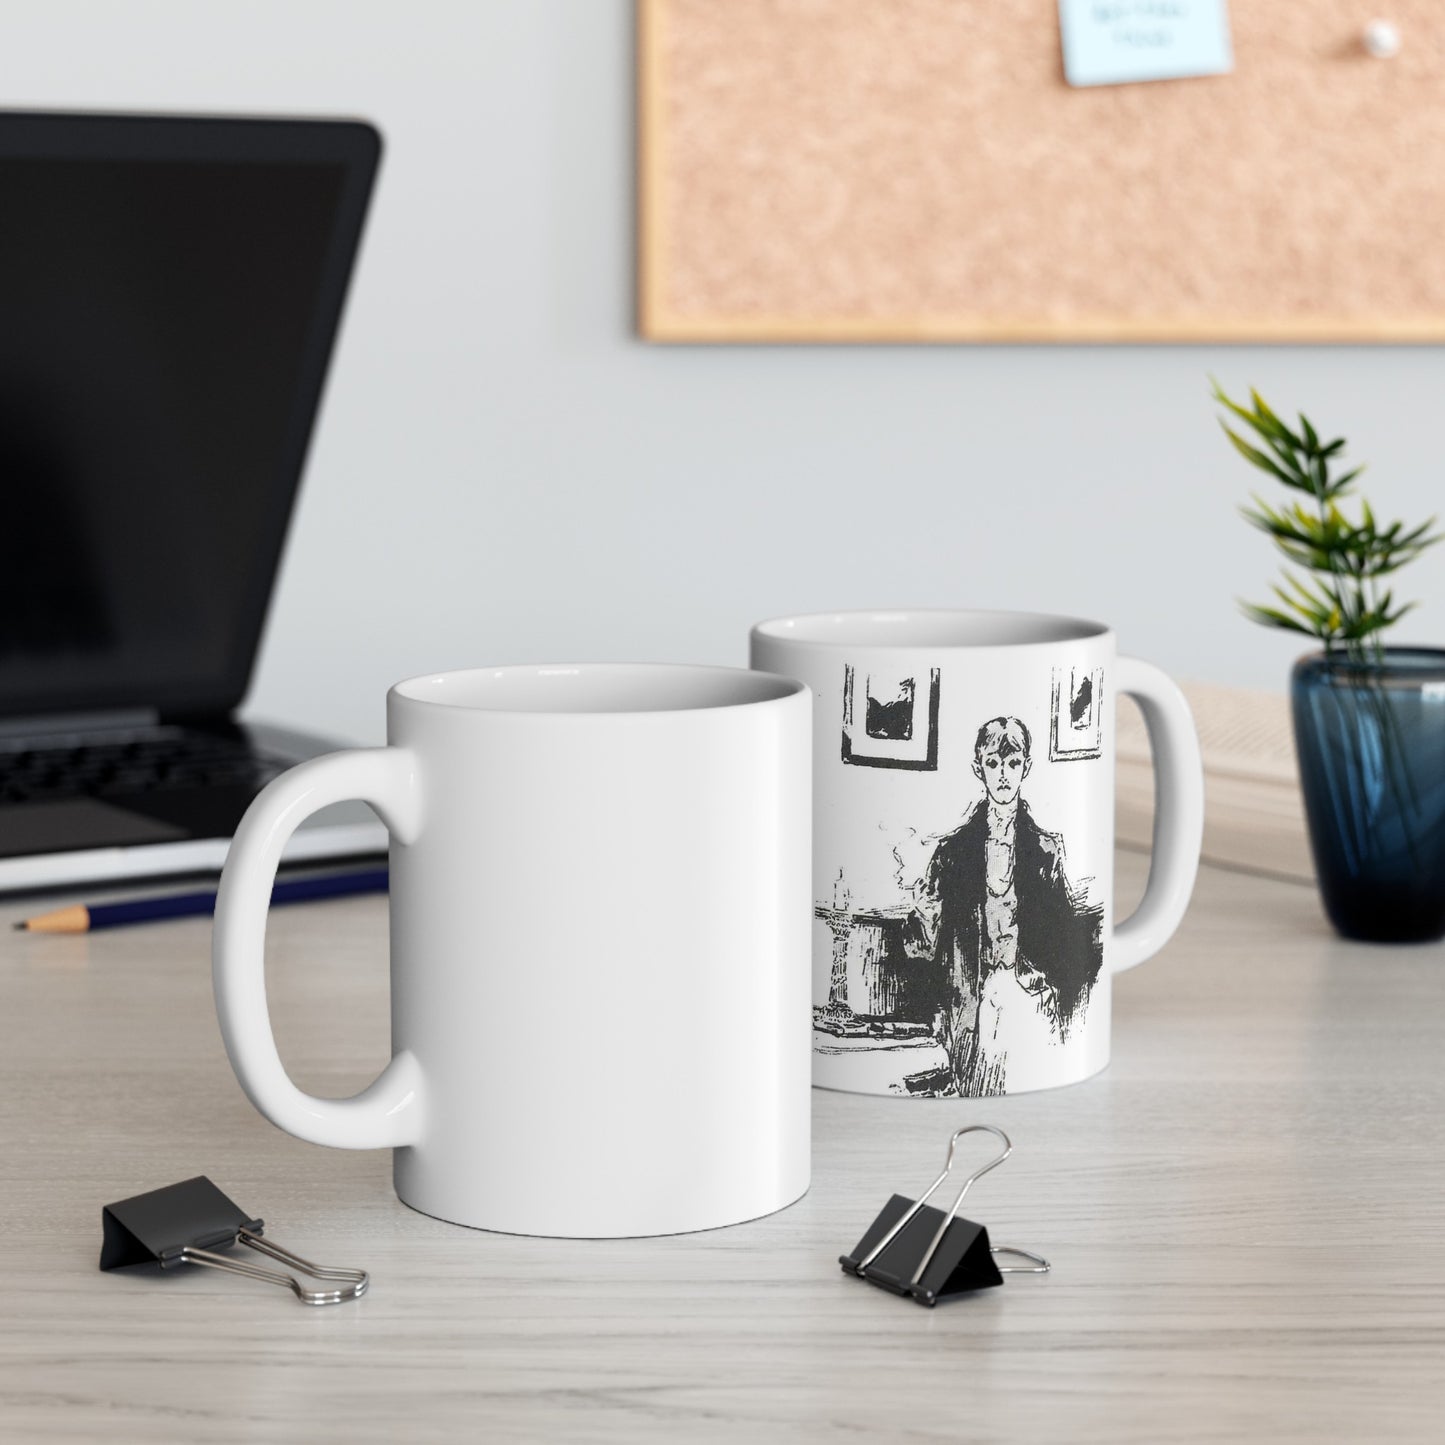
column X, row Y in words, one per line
column 1369, row 719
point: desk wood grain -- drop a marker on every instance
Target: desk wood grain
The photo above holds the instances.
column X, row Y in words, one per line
column 1246, row 1217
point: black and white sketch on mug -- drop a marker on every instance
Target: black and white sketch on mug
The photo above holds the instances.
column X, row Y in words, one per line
column 992, row 952
column 1014, row 946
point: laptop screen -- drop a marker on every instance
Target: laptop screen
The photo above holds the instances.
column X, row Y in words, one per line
column 169, row 291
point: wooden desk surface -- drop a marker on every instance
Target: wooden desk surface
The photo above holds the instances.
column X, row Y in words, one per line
column 1246, row 1217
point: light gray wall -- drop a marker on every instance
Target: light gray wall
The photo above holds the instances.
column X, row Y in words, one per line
column 503, row 472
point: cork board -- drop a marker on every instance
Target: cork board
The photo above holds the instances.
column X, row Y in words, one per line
column 919, row 170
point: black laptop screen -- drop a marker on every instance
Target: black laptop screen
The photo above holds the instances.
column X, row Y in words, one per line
column 164, row 328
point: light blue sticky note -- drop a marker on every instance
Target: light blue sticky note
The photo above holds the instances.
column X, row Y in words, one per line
column 1109, row 42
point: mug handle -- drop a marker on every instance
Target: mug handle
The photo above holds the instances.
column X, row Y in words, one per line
column 1178, row 813
column 391, row 1111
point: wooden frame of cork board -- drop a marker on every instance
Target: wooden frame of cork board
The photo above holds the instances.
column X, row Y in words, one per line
column 919, row 170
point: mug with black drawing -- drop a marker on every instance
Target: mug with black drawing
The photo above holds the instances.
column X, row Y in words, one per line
column 963, row 842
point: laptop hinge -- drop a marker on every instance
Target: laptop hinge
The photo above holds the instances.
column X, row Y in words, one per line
column 78, row 722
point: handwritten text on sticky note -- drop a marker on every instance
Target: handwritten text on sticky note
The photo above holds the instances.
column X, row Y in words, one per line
column 1107, row 42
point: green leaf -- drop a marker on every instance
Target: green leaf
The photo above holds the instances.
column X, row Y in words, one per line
column 1263, row 422
column 1410, row 538
column 1307, row 606
column 1288, row 459
column 1257, row 458
column 1320, row 595
column 1269, row 422
column 1270, row 617
column 1223, row 398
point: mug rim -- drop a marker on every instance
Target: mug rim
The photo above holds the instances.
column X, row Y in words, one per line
column 750, row 688
column 867, row 627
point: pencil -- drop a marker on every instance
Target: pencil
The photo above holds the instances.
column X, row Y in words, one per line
column 82, row 919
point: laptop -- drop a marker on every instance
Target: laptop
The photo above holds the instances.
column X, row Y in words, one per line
column 170, row 290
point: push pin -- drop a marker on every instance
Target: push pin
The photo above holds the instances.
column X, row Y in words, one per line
column 1381, row 39
column 187, row 1223
column 916, row 1250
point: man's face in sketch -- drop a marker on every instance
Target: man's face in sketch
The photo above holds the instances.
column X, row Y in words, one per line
column 1002, row 763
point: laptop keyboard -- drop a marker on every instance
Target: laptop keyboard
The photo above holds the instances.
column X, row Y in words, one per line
column 75, row 766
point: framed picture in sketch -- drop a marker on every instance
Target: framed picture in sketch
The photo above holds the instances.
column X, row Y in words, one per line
column 890, row 719
column 1076, row 715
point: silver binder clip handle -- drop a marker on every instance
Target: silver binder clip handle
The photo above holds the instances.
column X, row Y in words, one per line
column 923, row 1198
column 968, row 1183
column 355, row 1280
column 1039, row 1266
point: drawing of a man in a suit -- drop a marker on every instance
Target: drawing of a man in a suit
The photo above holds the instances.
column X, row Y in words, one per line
column 1015, row 951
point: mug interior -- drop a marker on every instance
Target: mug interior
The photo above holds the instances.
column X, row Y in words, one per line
column 928, row 628
column 597, row 687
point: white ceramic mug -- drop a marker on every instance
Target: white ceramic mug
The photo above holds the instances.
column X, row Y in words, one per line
column 599, row 947
column 964, row 840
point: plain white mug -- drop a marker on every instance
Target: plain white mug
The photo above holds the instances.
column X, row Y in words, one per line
column 964, row 843
column 599, row 947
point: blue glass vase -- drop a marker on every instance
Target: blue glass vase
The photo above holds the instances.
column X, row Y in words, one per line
column 1371, row 743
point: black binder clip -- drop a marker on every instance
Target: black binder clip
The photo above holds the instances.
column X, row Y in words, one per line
column 916, row 1250
column 186, row 1223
